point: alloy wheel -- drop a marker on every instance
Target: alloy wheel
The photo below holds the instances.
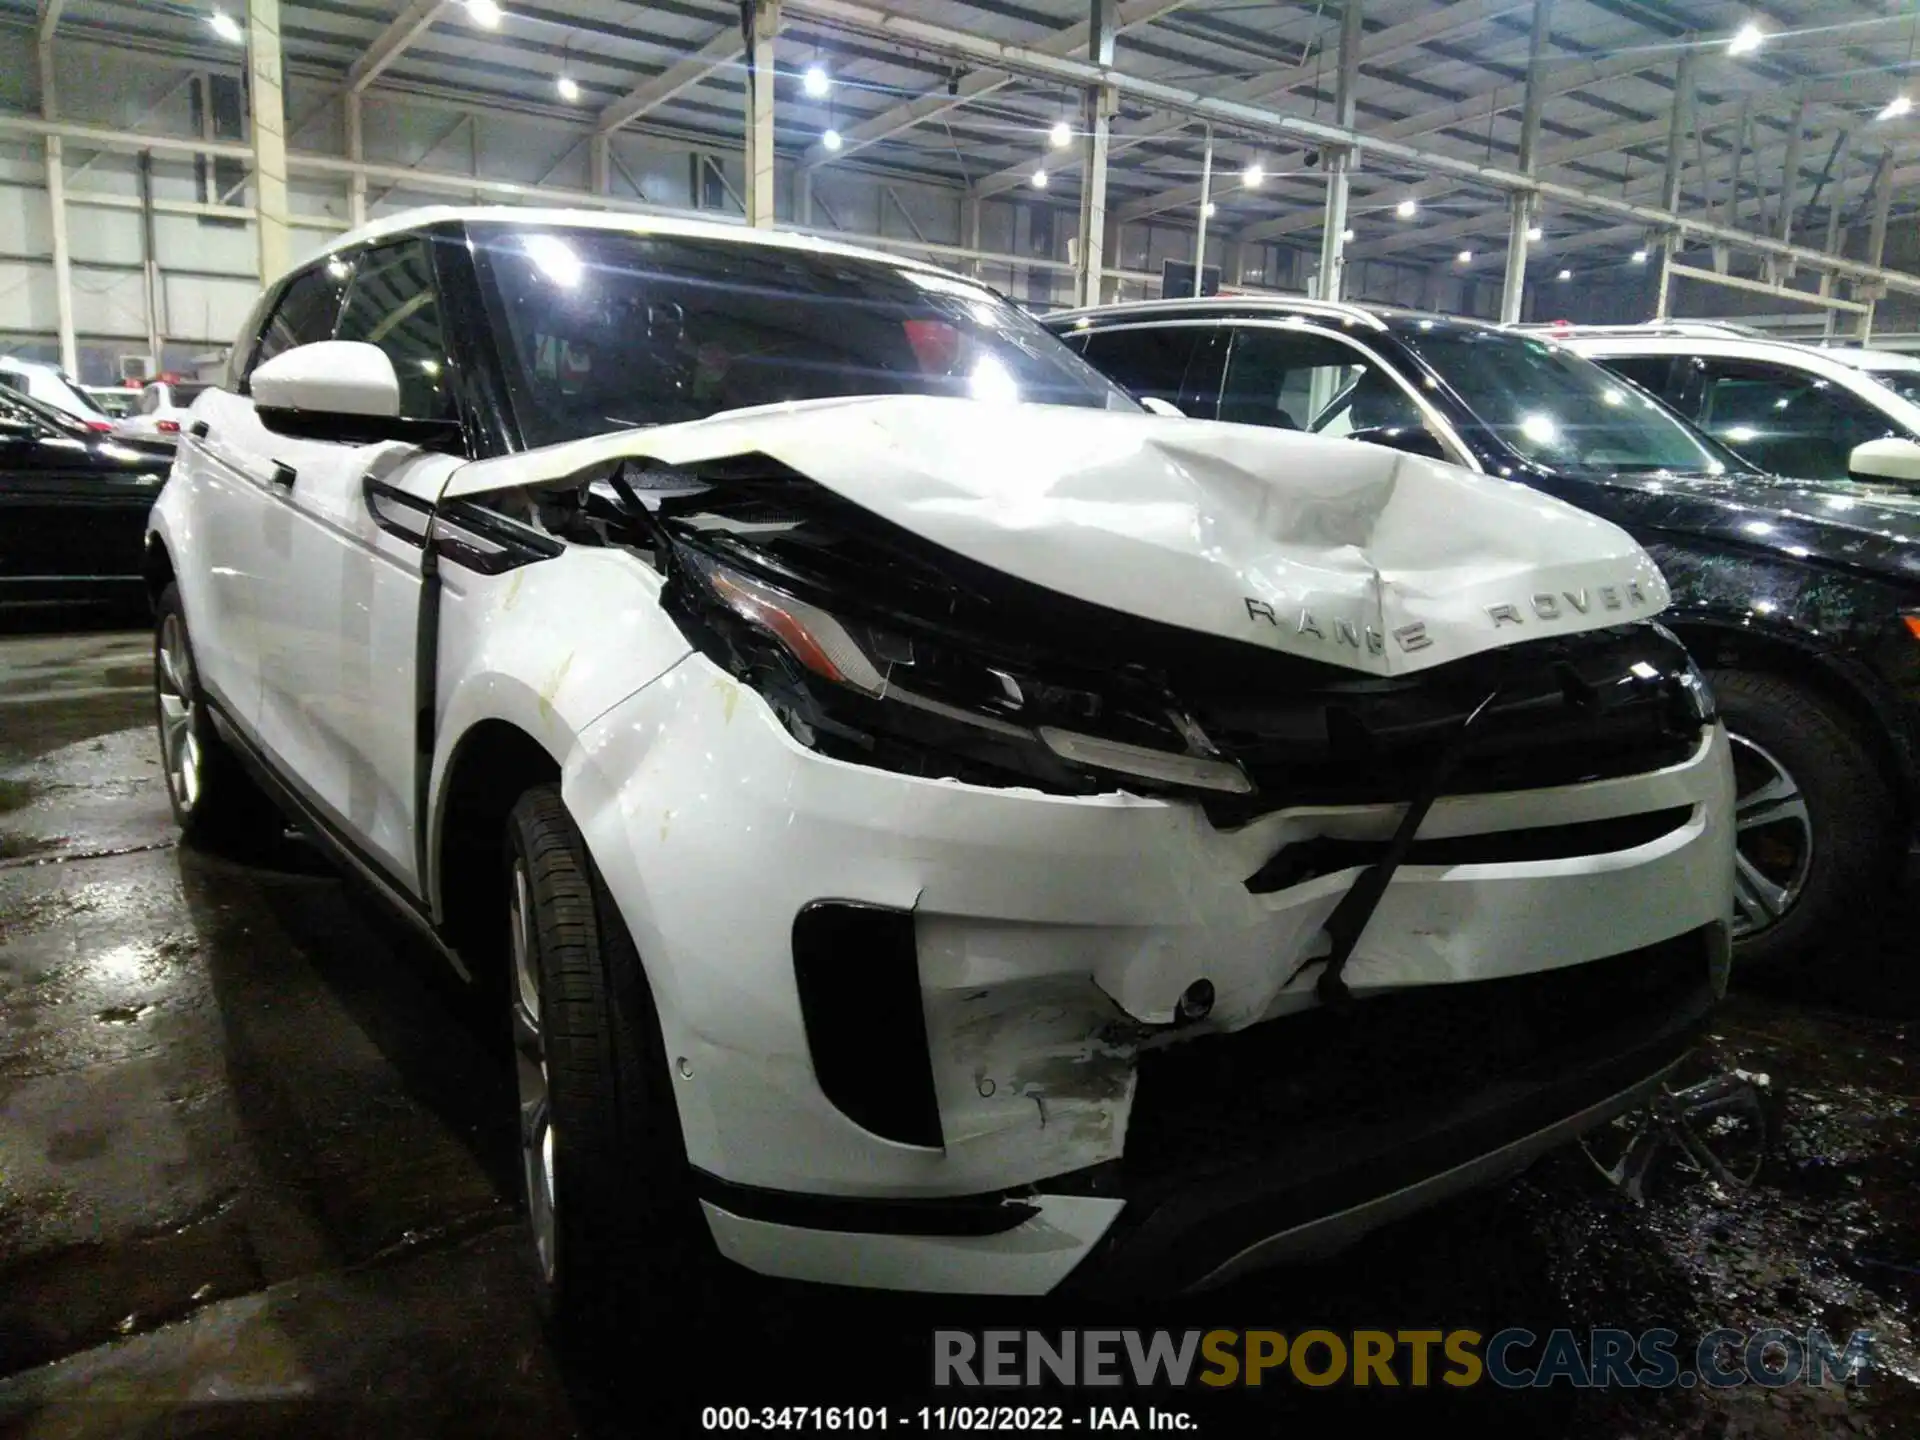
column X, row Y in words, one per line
column 179, row 715
column 1773, row 839
column 530, row 1065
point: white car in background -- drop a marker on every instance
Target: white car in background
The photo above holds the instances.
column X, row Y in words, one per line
column 162, row 411
column 917, row 808
column 51, row 386
column 1794, row 410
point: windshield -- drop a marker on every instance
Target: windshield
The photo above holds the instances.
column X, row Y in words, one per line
column 1560, row 410
column 602, row 329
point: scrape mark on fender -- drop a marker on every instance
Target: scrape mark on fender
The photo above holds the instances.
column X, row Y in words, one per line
column 552, row 687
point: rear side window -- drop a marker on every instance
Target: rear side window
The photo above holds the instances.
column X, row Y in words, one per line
column 391, row 303
column 304, row 314
column 1149, row 364
column 1785, row 420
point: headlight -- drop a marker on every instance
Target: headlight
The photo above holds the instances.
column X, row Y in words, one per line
column 887, row 696
column 1690, row 683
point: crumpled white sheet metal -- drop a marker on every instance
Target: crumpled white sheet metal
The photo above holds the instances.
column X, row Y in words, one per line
column 1348, row 553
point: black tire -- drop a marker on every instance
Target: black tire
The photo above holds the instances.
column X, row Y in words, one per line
column 626, row 1243
column 213, row 798
column 1850, row 812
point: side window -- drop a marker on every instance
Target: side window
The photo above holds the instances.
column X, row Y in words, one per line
column 1146, row 363
column 304, row 314
column 1649, row 372
column 13, row 380
column 1295, row 380
column 150, row 400
column 391, row 304
column 1786, row 421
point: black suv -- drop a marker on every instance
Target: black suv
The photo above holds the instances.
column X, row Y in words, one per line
column 1802, row 599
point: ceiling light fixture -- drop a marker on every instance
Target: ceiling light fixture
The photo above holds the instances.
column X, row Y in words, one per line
column 1346, row 235
column 1407, row 208
column 568, row 87
column 1252, row 175
column 1749, row 38
column 1465, row 257
column 830, row 139
column 1564, row 275
column 1040, row 177
column 1210, row 208
column 816, row 82
column 1061, row 135
column 1895, row 108
column 225, row 26
column 1534, row 232
column 1639, row 257
column 484, row 13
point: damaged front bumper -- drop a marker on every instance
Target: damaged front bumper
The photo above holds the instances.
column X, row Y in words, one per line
column 1016, row 1119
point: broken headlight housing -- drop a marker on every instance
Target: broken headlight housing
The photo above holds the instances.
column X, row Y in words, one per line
column 908, row 698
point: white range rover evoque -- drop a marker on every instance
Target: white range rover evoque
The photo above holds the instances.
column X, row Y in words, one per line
column 935, row 824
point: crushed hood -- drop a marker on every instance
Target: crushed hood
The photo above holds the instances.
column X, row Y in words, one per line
column 1346, row 553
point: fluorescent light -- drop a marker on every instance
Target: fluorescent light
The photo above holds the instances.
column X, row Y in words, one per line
column 815, row 81
column 1639, row 257
column 1746, row 40
column 1040, row 177
column 1536, row 233
column 484, row 13
column 569, row 88
column 830, row 139
column 1895, row 108
column 1465, row 257
column 1252, row 175
column 1061, row 135
column 1407, row 208
column 225, row 26
column 1564, row 275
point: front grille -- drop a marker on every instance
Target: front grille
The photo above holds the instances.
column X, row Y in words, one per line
column 1217, row 1102
column 1587, row 707
column 1296, row 864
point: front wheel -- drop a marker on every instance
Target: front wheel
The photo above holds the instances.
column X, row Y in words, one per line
column 212, row 797
column 617, row 1232
column 1814, row 818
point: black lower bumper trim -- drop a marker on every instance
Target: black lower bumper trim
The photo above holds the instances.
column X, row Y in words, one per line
column 962, row 1215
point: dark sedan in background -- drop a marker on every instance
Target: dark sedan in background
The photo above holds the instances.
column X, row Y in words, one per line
column 73, row 511
column 1802, row 599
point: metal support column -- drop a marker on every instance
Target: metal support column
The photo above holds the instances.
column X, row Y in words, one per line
column 1520, row 213
column 1339, row 159
column 1678, row 120
column 356, row 152
column 269, row 139
column 57, row 198
column 600, row 163
column 1790, row 171
column 1206, row 204
column 1739, row 156
column 1097, row 107
column 970, row 212
column 150, row 262
column 1840, row 155
column 763, row 22
column 1877, row 237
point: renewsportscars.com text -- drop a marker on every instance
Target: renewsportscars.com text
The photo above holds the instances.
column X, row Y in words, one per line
column 1512, row 1358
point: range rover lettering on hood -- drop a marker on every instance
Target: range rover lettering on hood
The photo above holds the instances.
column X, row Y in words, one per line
column 1365, row 557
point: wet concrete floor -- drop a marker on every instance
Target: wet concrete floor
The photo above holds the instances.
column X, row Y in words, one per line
column 257, row 1177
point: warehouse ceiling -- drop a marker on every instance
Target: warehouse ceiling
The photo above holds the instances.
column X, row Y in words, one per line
column 1445, row 77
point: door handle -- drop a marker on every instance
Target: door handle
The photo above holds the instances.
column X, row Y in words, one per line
column 284, row 475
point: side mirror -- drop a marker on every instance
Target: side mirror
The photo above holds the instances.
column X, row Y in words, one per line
column 340, row 390
column 1413, row 439
column 1154, row 405
column 1889, row 459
